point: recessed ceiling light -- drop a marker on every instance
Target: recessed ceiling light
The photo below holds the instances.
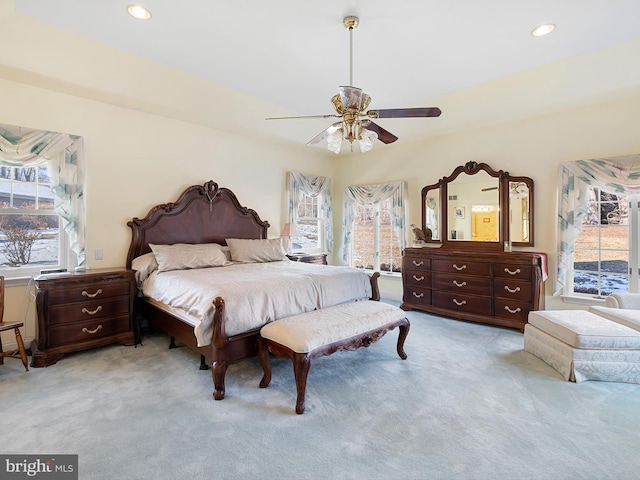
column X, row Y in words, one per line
column 543, row 30
column 139, row 12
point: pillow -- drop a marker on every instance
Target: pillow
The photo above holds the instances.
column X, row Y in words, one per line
column 254, row 251
column 181, row 256
column 144, row 265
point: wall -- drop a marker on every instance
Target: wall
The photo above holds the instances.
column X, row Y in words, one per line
column 135, row 160
column 532, row 147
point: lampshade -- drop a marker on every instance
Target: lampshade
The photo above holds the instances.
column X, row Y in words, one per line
column 289, row 230
column 352, row 132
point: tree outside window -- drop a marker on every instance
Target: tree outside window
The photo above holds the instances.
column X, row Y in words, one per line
column 29, row 225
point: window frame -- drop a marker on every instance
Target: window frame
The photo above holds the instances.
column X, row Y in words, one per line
column 64, row 249
column 377, row 253
column 633, row 275
column 320, row 246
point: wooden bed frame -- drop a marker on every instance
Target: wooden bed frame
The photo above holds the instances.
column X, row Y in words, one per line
column 202, row 214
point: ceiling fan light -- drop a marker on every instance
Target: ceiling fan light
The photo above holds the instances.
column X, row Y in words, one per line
column 366, row 142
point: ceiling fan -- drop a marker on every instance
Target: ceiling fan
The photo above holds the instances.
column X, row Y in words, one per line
column 351, row 106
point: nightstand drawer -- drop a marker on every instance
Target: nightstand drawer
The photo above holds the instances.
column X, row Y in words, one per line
column 61, row 314
column 88, row 291
column 85, row 331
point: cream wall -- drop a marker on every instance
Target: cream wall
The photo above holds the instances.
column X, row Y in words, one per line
column 531, row 147
column 135, row 160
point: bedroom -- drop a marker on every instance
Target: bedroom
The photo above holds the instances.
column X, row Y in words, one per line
column 135, row 149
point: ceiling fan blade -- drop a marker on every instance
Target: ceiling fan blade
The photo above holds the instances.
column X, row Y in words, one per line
column 325, row 133
column 332, row 115
column 405, row 112
column 383, row 135
column 488, row 189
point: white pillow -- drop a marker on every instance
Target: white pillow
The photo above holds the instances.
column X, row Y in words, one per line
column 144, row 265
column 181, row 256
column 255, row 251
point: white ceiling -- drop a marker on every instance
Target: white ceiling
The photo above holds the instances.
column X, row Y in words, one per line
column 295, row 53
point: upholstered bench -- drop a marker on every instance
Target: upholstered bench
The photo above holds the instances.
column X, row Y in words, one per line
column 322, row 332
column 581, row 345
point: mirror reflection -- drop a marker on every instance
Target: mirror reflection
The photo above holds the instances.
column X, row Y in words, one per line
column 473, row 208
column 432, row 212
column 519, row 203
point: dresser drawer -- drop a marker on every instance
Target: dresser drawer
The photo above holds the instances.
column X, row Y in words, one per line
column 459, row 265
column 462, row 284
column 517, row 272
column 462, row 303
column 95, row 329
column 512, row 289
column 417, row 296
column 418, row 278
column 413, row 262
column 512, row 309
column 74, row 312
column 88, row 291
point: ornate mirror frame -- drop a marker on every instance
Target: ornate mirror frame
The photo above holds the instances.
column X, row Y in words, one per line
column 515, row 194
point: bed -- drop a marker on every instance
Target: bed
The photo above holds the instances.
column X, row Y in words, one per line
column 208, row 214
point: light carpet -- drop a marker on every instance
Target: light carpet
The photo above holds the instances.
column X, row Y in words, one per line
column 468, row 403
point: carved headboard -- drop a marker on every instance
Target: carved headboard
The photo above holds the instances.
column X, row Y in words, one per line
column 202, row 214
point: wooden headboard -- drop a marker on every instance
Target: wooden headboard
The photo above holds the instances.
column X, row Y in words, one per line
column 202, row 214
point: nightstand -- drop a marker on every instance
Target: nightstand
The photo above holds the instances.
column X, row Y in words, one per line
column 82, row 310
column 319, row 258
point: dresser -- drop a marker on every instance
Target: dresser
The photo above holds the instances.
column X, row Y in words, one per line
column 487, row 287
column 82, row 310
column 319, row 258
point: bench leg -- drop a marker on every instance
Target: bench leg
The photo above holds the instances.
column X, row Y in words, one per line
column 263, row 355
column 301, row 364
column 218, row 373
column 402, row 336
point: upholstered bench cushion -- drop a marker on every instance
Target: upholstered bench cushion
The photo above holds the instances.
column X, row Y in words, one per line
column 304, row 333
column 627, row 317
column 582, row 329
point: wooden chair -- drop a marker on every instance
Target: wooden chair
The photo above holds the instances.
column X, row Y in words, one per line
column 15, row 326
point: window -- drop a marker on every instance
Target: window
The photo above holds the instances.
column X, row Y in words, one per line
column 375, row 245
column 374, row 226
column 309, row 226
column 310, row 212
column 30, row 233
column 605, row 259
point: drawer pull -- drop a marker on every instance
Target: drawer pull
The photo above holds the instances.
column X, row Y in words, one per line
column 462, row 284
column 92, row 312
column 459, row 303
column 459, row 268
column 510, row 272
column 418, row 295
column 517, row 310
column 86, row 330
column 511, row 290
column 418, row 279
column 418, row 264
column 91, row 295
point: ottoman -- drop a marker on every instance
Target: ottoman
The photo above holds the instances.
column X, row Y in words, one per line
column 581, row 345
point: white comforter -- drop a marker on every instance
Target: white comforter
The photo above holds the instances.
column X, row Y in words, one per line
column 255, row 293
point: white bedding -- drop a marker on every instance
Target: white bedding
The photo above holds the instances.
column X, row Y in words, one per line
column 255, row 293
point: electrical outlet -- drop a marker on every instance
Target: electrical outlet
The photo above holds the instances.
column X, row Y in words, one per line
column 98, row 254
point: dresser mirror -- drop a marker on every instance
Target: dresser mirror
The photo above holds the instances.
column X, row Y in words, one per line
column 477, row 206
